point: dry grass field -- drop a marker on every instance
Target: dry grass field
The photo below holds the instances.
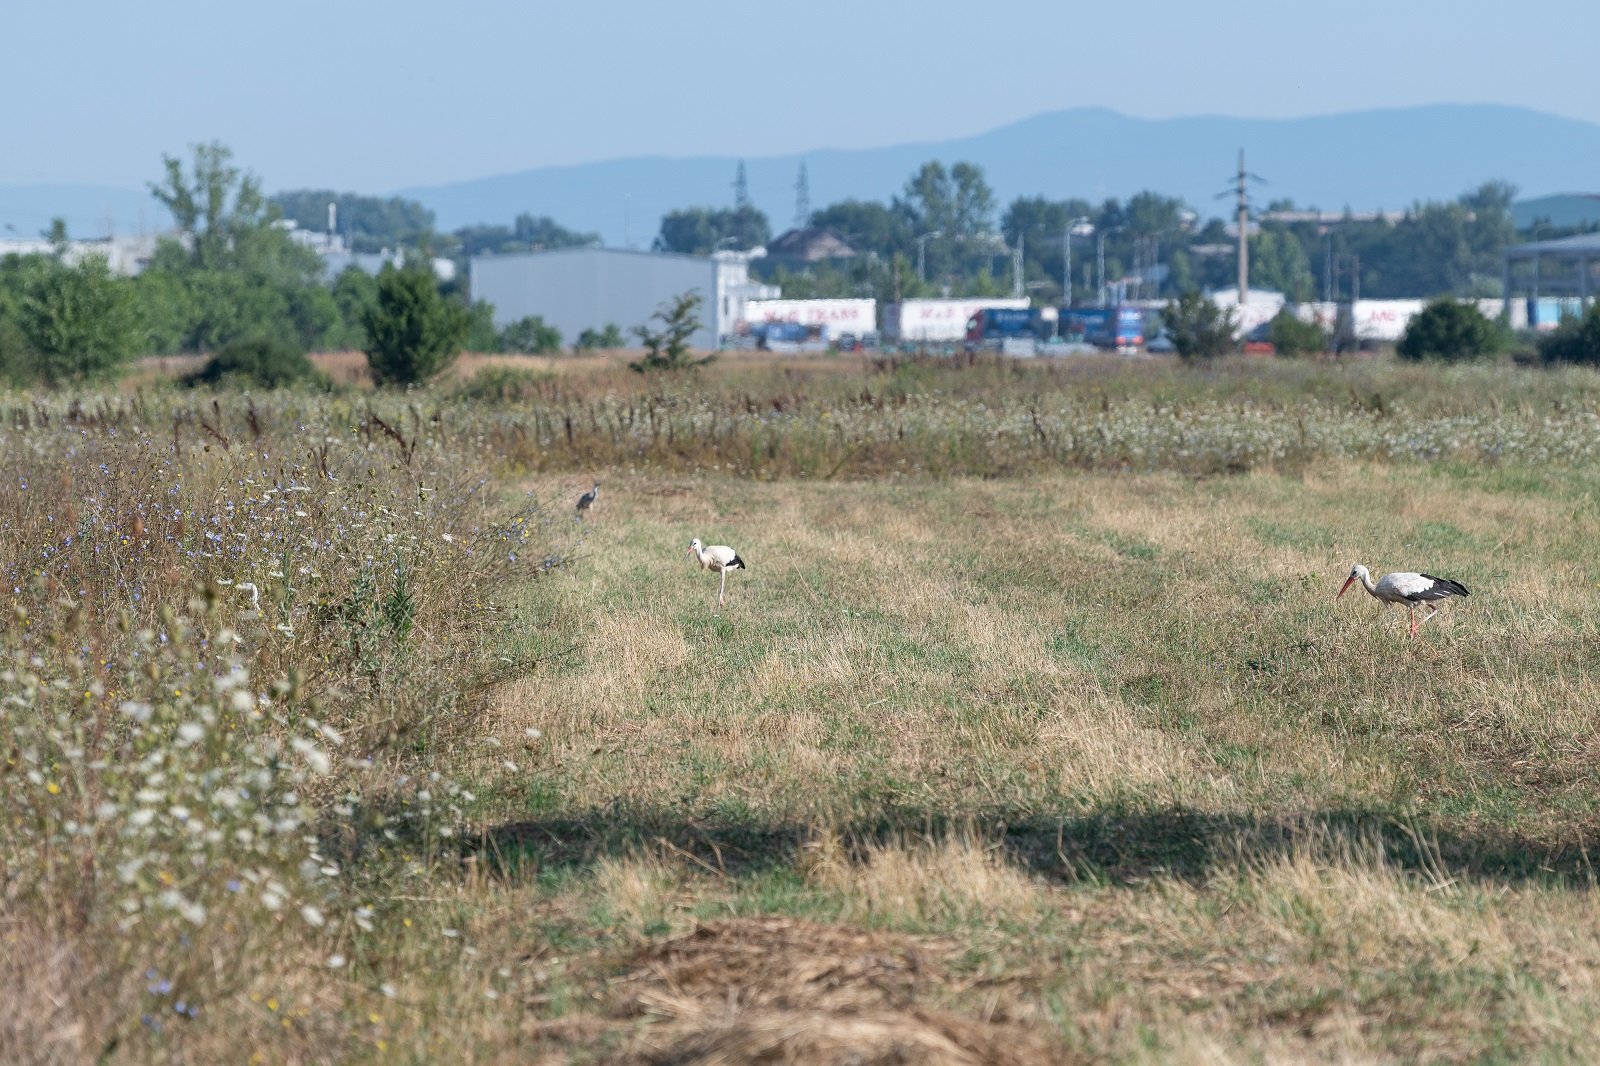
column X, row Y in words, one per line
column 1078, row 763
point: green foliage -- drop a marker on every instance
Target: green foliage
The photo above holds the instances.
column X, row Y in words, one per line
column 413, row 331
column 77, row 322
column 233, row 273
column 592, row 340
column 263, row 362
column 1279, row 262
column 869, row 226
column 531, row 335
column 957, row 204
column 372, row 223
column 703, row 230
column 1040, row 226
column 1199, row 328
column 525, row 234
column 1450, row 331
column 668, row 347
column 1292, row 337
column 504, row 384
column 355, row 292
column 1577, row 340
column 481, row 336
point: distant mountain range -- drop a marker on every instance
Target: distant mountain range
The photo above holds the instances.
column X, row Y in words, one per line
column 1385, row 159
column 1363, row 160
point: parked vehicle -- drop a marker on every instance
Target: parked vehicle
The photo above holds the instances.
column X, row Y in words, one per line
column 1008, row 329
column 793, row 337
column 1118, row 329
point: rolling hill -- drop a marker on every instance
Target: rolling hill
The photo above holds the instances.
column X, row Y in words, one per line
column 1363, row 160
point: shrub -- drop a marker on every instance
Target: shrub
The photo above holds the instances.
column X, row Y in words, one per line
column 481, row 335
column 668, row 347
column 414, row 331
column 504, row 384
column 1577, row 340
column 78, row 322
column 261, row 361
column 1199, row 328
column 1449, row 331
column 1292, row 337
column 531, row 336
column 591, row 340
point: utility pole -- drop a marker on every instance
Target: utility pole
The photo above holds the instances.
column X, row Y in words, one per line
column 802, row 199
column 1244, row 238
column 1016, row 266
column 1066, row 265
column 1100, row 259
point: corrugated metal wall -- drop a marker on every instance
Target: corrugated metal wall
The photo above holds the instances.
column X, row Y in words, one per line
column 587, row 288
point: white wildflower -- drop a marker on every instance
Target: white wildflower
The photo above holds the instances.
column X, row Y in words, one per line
column 313, row 916
column 135, row 709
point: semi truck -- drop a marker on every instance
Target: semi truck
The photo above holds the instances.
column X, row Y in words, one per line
column 1016, row 330
column 1119, row 329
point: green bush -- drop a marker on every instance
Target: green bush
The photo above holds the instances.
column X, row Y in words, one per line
column 414, row 332
column 530, row 336
column 266, row 362
column 1577, row 340
column 1199, row 328
column 1450, row 331
column 504, row 384
column 1292, row 337
column 78, row 322
column 596, row 339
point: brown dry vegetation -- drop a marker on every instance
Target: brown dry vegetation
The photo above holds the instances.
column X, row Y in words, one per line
column 1075, row 765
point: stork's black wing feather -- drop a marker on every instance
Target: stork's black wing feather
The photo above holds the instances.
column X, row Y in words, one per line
column 737, row 562
column 1442, row 588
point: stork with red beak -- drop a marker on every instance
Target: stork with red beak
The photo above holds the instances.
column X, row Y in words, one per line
column 1413, row 590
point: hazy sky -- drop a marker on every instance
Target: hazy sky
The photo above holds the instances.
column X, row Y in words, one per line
column 370, row 97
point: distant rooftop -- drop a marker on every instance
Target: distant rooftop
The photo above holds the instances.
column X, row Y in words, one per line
column 1582, row 246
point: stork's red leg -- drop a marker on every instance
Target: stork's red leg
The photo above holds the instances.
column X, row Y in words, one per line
column 1413, row 612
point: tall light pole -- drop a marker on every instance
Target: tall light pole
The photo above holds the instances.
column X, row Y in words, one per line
column 1100, row 256
column 1066, row 263
column 922, row 248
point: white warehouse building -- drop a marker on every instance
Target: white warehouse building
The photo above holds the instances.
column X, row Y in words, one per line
column 574, row 289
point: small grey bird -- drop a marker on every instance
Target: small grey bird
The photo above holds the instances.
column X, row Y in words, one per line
column 587, row 500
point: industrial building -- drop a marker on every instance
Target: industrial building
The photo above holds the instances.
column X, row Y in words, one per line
column 1556, row 276
column 574, row 289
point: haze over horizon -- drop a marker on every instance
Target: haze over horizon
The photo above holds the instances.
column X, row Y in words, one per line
column 372, row 98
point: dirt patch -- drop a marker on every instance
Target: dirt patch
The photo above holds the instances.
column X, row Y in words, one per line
column 775, row 990
column 779, row 962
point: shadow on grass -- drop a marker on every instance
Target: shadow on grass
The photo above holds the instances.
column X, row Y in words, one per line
column 1112, row 846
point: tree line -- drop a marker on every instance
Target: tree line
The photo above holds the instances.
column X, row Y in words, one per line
column 946, row 232
column 232, row 279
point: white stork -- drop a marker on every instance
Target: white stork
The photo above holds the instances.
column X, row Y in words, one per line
column 718, row 557
column 1409, row 589
column 587, row 500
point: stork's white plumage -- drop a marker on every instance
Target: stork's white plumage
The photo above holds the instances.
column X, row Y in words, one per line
column 587, row 500
column 1410, row 589
column 718, row 557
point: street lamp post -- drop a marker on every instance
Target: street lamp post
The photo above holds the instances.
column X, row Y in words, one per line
column 922, row 248
column 1100, row 255
column 1066, row 263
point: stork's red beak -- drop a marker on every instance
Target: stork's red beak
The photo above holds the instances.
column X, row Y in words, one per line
column 1346, row 586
